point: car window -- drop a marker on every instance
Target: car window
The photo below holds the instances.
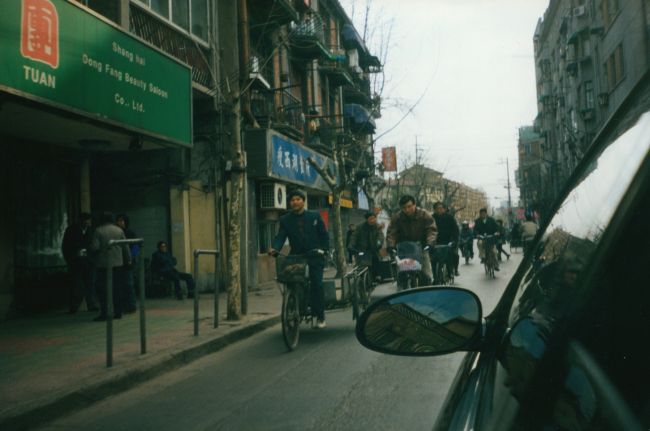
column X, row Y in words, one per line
column 574, row 232
column 605, row 382
column 550, row 283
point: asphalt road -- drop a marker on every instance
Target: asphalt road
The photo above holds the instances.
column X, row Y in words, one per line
column 329, row 383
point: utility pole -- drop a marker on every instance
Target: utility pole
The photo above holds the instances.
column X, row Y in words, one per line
column 509, row 198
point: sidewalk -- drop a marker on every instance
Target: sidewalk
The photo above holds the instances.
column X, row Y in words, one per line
column 55, row 363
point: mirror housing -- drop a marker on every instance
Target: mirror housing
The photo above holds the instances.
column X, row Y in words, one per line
column 428, row 321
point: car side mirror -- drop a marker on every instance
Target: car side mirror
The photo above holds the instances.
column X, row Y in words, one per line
column 423, row 322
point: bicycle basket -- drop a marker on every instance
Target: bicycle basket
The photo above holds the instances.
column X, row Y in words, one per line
column 409, row 256
column 440, row 252
column 291, row 269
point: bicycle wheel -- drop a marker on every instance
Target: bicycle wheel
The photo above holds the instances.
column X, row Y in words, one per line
column 290, row 318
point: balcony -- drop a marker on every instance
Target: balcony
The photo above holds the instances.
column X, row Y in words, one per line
column 358, row 119
column 178, row 45
column 288, row 118
column 307, row 39
column 337, row 72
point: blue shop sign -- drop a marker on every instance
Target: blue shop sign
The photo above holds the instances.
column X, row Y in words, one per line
column 289, row 163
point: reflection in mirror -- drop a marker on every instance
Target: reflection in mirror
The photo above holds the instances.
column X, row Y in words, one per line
column 421, row 322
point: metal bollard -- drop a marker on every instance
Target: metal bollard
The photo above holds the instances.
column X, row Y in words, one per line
column 109, row 303
column 196, row 293
column 143, row 329
column 109, row 317
column 217, row 264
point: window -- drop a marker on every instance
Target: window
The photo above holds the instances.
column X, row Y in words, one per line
column 614, row 68
column 589, row 101
column 266, row 232
column 609, row 9
column 190, row 15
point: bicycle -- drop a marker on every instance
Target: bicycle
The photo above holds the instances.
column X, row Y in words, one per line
column 442, row 265
column 361, row 285
column 293, row 275
column 490, row 259
column 466, row 250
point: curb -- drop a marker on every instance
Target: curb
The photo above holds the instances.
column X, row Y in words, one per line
column 77, row 399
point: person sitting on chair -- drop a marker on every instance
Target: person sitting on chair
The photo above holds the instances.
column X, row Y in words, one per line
column 163, row 263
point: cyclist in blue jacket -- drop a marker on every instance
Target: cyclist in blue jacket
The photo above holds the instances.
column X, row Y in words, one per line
column 307, row 234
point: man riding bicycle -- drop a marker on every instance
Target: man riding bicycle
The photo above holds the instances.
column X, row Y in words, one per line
column 307, row 233
column 467, row 237
column 447, row 233
column 368, row 239
column 412, row 224
column 485, row 225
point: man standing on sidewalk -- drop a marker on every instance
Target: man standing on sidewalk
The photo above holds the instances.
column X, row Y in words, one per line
column 108, row 258
column 76, row 240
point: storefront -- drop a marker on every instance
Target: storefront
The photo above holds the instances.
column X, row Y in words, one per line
column 88, row 116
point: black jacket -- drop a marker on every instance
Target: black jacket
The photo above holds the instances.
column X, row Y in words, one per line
column 487, row 227
column 367, row 238
column 305, row 231
column 447, row 228
column 162, row 262
column 75, row 239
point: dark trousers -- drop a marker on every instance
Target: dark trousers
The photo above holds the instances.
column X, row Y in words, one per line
column 81, row 286
column 176, row 278
column 128, row 284
column 317, row 293
column 102, row 291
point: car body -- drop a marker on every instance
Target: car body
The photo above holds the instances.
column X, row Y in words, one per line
column 567, row 345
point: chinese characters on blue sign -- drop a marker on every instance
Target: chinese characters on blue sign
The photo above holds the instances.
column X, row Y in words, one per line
column 289, row 162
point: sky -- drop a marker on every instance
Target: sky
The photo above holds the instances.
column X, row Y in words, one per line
column 472, row 64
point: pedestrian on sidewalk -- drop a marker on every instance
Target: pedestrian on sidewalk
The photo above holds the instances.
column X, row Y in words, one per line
column 108, row 258
column 163, row 264
column 74, row 247
column 127, row 276
column 348, row 241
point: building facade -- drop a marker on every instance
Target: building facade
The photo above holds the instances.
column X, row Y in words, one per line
column 590, row 55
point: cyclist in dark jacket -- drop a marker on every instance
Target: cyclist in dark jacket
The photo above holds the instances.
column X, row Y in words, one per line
column 306, row 232
column 485, row 225
column 368, row 239
column 447, row 232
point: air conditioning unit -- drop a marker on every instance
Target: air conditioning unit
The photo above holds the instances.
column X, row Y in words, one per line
column 579, row 11
column 273, row 196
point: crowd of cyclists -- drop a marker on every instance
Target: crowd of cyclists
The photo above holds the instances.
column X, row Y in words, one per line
column 437, row 235
column 433, row 231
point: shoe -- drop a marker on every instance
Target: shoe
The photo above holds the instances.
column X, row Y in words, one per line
column 456, row 274
column 496, row 268
column 320, row 323
column 99, row 319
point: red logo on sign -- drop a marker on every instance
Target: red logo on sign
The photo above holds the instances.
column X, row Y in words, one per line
column 40, row 32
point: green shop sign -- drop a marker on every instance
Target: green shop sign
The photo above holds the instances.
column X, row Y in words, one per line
column 56, row 52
